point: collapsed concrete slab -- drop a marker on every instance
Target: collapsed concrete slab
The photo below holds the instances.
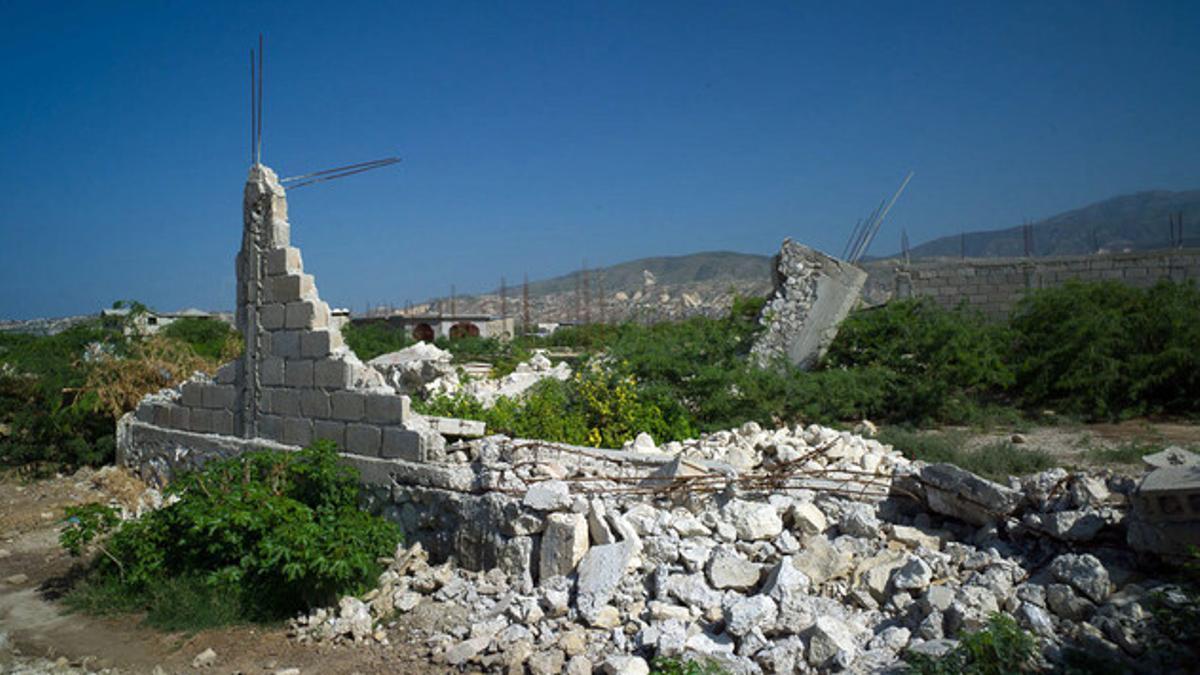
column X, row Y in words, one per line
column 813, row 294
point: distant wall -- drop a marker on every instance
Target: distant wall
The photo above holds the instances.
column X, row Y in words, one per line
column 994, row 285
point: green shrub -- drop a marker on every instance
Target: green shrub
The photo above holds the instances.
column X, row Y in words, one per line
column 1000, row 648
column 368, row 340
column 940, row 362
column 48, row 421
column 690, row 666
column 210, row 338
column 270, row 532
column 1106, row 350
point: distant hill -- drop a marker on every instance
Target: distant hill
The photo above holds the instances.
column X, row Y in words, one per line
column 707, row 267
column 1134, row 221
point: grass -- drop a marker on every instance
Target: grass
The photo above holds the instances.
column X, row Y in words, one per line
column 1131, row 452
column 996, row 461
column 185, row 604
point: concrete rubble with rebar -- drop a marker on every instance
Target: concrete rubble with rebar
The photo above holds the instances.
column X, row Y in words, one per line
column 813, row 294
column 799, row 549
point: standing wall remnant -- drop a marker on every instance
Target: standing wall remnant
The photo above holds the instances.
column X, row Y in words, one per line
column 296, row 381
column 995, row 285
column 813, row 294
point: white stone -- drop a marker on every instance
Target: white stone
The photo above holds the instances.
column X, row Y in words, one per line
column 807, row 518
column 754, row 520
column 727, row 569
column 747, row 614
column 831, row 643
column 564, row 543
column 1083, row 571
column 549, row 495
column 915, row 575
column 619, row 664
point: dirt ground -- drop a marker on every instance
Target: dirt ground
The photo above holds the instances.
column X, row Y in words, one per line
column 1075, row 445
column 42, row 636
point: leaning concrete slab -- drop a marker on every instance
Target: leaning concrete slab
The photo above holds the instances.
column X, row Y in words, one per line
column 1166, row 511
column 813, row 294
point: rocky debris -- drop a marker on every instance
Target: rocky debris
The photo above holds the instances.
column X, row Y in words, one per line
column 800, row 579
column 425, row 370
column 412, row 369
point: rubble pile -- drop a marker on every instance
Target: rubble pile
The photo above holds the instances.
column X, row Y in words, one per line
column 425, row 370
column 852, row 556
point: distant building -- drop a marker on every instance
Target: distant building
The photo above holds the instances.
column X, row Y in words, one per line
column 431, row 327
column 150, row 322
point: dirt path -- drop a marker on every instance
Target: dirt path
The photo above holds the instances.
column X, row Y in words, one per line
column 38, row 635
column 1091, row 445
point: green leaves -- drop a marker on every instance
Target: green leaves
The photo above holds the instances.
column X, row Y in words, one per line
column 282, row 531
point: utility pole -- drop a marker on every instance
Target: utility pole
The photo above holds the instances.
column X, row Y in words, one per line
column 578, row 298
column 503, row 299
column 525, row 305
column 587, row 294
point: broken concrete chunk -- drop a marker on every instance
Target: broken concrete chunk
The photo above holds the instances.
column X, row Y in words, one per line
column 548, row 495
column 959, row 493
column 813, row 294
column 564, row 543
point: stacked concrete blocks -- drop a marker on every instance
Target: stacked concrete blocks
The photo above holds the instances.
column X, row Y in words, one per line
column 296, row 382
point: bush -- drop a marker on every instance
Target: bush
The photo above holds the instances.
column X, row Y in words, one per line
column 1107, row 351
column 210, row 339
column 368, row 340
column 49, row 421
column 1002, row 647
column 269, row 533
column 939, row 362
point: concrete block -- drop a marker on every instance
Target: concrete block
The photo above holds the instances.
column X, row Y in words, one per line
column 307, row 314
column 290, row 288
column 280, row 231
column 284, row 260
column 363, row 439
column 347, row 405
column 200, row 420
column 228, row 373
column 220, row 396
column 314, row 403
column 222, row 422
column 284, row 402
column 270, row 427
column 402, row 444
column 145, row 413
column 297, row 431
column 298, row 373
column 162, row 415
column 387, row 409
column 270, row 372
column 332, row 374
column 272, row 316
column 317, row 344
column 193, row 394
column 285, row 343
column 453, row 426
column 330, row 430
column 180, row 418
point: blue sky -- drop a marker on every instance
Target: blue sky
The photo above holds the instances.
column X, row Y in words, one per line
column 535, row 135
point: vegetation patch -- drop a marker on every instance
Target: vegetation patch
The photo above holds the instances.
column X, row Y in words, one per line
column 1001, row 647
column 255, row 538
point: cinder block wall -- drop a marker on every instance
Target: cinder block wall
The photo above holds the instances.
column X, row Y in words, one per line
column 296, row 381
column 994, row 285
